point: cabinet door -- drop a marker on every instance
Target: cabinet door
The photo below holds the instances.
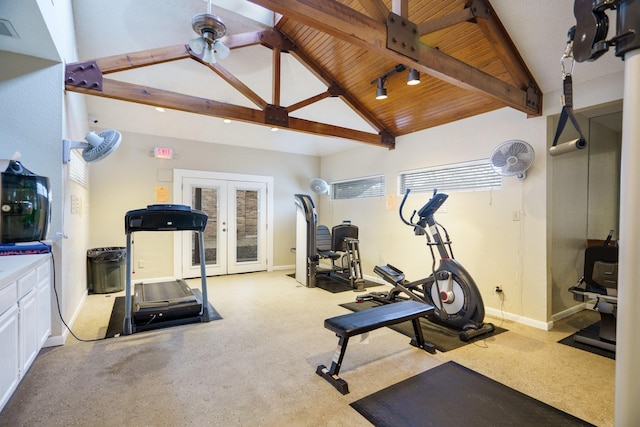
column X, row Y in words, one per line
column 9, row 354
column 29, row 342
column 44, row 302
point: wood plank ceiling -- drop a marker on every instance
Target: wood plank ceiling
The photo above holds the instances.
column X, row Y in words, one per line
column 468, row 66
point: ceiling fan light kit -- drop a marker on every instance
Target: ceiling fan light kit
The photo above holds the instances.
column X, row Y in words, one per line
column 211, row 29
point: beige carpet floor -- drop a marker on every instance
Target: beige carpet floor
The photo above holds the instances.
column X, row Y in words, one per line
column 256, row 366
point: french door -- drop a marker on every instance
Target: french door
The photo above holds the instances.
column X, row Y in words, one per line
column 236, row 238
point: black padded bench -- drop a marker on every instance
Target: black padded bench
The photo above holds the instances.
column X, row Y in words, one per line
column 351, row 324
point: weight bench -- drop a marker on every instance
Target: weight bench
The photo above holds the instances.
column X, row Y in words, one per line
column 351, row 324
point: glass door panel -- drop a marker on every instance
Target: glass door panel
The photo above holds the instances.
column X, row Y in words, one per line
column 247, row 225
column 208, row 196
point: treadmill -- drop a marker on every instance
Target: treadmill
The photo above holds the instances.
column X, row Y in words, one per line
column 155, row 305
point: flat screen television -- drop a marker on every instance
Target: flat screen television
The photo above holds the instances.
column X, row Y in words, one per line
column 25, row 205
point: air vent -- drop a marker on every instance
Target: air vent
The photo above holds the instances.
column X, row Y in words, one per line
column 6, row 29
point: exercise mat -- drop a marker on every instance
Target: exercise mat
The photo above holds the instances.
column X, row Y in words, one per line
column 593, row 331
column 116, row 321
column 453, row 395
column 442, row 337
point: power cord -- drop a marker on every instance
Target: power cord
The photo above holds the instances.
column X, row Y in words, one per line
column 55, row 291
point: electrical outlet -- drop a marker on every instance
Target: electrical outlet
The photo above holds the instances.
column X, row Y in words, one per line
column 498, row 289
column 140, row 264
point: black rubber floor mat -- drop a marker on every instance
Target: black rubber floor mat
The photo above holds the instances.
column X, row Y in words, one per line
column 116, row 321
column 453, row 395
column 593, row 331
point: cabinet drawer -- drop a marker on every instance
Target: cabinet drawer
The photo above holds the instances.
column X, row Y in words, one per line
column 26, row 283
column 8, row 297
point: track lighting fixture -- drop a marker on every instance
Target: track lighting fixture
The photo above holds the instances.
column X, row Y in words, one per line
column 414, row 77
column 381, row 92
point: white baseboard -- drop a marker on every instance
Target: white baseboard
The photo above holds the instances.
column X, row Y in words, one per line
column 545, row 326
column 56, row 340
column 568, row 312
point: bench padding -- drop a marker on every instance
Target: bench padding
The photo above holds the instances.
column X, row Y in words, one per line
column 360, row 322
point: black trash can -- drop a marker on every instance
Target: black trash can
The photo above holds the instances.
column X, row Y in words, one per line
column 106, row 269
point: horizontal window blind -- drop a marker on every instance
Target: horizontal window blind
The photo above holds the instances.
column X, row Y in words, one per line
column 358, row 188
column 78, row 170
column 475, row 175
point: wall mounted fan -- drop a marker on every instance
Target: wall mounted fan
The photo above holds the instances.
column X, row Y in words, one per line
column 512, row 157
column 319, row 186
column 211, row 29
column 97, row 147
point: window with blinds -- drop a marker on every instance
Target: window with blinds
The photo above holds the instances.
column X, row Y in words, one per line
column 78, row 170
column 477, row 175
column 358, row 188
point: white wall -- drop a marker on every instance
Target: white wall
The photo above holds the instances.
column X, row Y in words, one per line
column 31, row 123
column 127, row 179
column 517, row 255
column 486, row 240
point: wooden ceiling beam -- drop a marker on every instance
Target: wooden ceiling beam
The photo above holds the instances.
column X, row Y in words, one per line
column 123, row 91
column 376, row 9
column 277, row 76
column 339, row 20
column 308, row 101
column 129, row 61
column 236, row 83
column 275, row 38
column 506, row 50
column 448, row 20
column 327, row 79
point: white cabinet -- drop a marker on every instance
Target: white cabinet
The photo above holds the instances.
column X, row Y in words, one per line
column 25, row 316
column 9, row 354
column 28, row 329
column 44, row 302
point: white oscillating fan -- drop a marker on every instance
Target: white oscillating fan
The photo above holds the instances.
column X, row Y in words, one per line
column 96, row 148
column 512, row 157
column 319, row 186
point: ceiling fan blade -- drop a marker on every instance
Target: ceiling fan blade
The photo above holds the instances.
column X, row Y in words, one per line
column 221, row 50
column 197, row 45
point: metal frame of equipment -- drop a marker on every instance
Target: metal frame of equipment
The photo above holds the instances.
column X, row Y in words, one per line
column 164, row 218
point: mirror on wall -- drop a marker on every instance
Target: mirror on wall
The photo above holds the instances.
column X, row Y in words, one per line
column 605, row 139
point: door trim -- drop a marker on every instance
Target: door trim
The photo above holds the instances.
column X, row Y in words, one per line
column 180, row 174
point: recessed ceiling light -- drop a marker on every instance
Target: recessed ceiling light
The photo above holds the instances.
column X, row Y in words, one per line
column 274, row 129
column 160, row 109
column 227, row 120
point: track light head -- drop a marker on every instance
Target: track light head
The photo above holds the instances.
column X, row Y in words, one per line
column 414, row 77
column 381, row 91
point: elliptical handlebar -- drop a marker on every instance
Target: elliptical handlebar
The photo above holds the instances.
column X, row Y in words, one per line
column 418, row 228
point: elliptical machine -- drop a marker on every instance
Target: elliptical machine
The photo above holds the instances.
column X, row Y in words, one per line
column 449, row 288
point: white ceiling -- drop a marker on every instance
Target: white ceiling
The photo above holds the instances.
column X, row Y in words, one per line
column 107, row 27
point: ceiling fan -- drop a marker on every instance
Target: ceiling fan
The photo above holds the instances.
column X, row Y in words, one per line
column 211, row 29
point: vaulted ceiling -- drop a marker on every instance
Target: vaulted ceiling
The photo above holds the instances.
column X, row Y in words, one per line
column 311, row 64
column 467, row 61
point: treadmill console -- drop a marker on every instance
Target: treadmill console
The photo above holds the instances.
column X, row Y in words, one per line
column 165, row 218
